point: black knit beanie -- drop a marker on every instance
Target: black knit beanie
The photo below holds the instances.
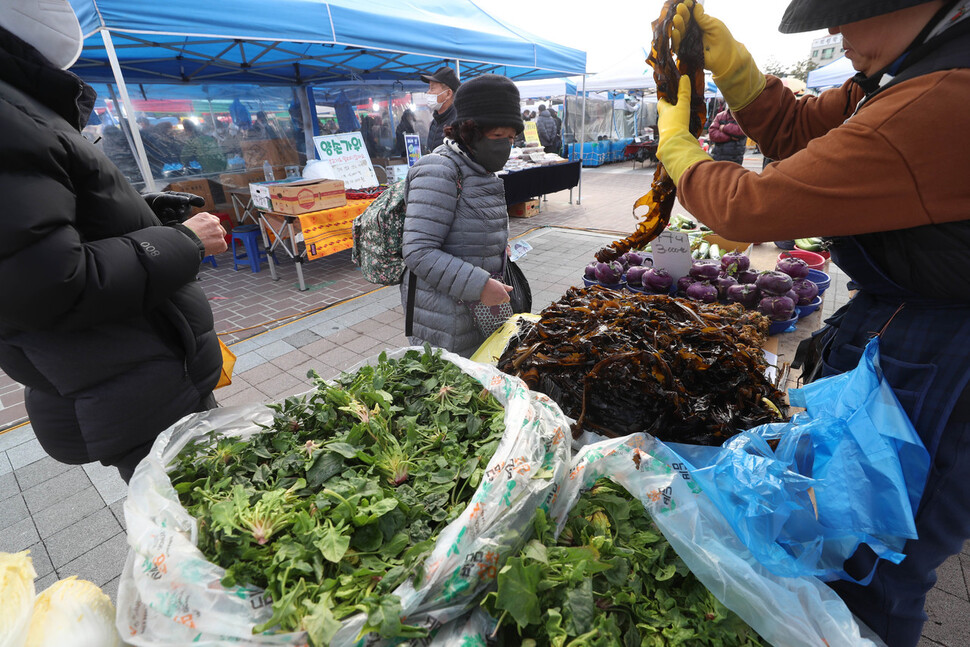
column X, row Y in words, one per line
column 490, row 100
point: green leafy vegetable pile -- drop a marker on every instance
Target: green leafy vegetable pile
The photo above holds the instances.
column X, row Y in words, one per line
column 341, row 500
column 611, row 579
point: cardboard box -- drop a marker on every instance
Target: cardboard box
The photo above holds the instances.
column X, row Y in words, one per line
column 525, row 209
column 729, row 245
column 278, row 152
column 293, row 197
column 198, row 187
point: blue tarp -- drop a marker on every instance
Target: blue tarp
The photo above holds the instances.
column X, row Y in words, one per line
column 285, row 42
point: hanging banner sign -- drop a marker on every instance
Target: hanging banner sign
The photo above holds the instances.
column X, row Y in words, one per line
column 413, row 145
column 348, row 159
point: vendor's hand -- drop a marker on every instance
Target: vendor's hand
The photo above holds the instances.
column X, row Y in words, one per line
column 173, row 206
column 678, row 150
column 209, row 230
column 494, row 293
column 734, row 70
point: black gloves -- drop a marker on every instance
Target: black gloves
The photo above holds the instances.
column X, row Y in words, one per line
column 172, row 206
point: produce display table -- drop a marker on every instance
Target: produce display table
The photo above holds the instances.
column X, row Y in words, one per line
column 242, row 204
column 309, row 236
column 540, row 180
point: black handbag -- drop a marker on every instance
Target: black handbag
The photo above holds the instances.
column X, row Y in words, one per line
column 521, row 296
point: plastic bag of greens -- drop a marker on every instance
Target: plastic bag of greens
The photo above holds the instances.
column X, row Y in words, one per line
column 791, row 611
column 170, row 594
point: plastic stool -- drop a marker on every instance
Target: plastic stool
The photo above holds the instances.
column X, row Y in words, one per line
column 249, row 236
column 211, row 260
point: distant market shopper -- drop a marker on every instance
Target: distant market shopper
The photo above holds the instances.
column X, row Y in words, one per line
column 442, row 86
column 456, row 227
column 729, row 140
column 101, row 318
column 878, row 167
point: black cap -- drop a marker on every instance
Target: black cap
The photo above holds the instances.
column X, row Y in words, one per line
column 445, row 76
column 807, row 15
column 490, row 100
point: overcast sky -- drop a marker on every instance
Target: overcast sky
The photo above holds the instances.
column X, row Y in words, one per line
column 613, row 32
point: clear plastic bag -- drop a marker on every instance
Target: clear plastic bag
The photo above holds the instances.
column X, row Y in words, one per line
column 790, row 611
column 170, row 594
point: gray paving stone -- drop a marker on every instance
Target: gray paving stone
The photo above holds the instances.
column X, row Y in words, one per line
column 8, row 486
column 100, row 564
column 111, row 589
column 19, row 536
column 247, row 362
column 41, row 584
column 12, row 510
column 302, row 338
column 67, row 511
column 118, row 509
column 947, row 619
column 949, row 577
column 82, row 537
column 40, row 560
column 15, row 437
column 5, row 466
column 25, row 453
column 109, row 484
column 40, row 472
column 42, row 496
column 274, row 350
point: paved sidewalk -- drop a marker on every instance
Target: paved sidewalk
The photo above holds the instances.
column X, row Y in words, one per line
column 71, row 517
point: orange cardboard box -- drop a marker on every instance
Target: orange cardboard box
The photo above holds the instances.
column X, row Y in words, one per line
column 298, row 196
column 525, row 209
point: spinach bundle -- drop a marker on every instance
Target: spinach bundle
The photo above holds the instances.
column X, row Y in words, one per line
column 610, row 579
column 340, row 500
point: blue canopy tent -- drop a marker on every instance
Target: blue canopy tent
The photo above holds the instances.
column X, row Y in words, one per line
column 302, row 43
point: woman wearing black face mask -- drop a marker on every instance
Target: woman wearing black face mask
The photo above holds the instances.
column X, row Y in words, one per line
column 456, row 229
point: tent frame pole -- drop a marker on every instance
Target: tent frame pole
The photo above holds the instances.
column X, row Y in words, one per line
column 309, row 122
column 140, row 156
column 582, row 138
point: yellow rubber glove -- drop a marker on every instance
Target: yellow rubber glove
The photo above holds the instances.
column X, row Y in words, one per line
column 735, row 72
column 677, row 149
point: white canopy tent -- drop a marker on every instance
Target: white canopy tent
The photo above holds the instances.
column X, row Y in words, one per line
column 835, row 73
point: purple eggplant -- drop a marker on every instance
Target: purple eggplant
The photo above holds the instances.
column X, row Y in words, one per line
column 683, row 283
column 634, row 274
column 657, row 279
column 774, row 283
column 609, row 273
column 792, row 266
column 747, row 294
column 722, row 283
column 735, row 262
column 746, row 276
column 632, row 258
column 805, row 290
column 702, row 291
column 590, row 271
column 777, row 308
column 705, row 269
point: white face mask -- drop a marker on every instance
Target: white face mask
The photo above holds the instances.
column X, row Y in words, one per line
column 49, row 26
column 432, row 100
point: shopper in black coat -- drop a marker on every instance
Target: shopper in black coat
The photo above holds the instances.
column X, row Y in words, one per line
column 101, row 318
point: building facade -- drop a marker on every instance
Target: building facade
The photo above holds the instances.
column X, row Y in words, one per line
column 826, row 49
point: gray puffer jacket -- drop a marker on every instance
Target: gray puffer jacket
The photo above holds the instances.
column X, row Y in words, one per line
column 452, row 244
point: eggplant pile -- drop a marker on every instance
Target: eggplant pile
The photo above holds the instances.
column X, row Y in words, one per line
column 620, row 363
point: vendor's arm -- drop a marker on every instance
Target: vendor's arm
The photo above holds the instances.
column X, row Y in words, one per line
column 783, row 124
column 50, row 275
column 432, row 200
column 894, row 165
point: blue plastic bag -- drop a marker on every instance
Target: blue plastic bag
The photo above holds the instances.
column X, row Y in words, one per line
column 849, row 470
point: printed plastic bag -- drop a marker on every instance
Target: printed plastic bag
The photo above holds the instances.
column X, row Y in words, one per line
column 849, row 470
column 790, row 611
column 170, row 594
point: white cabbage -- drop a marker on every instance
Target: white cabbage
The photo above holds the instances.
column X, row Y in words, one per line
column 16, row 597
column 73, row 612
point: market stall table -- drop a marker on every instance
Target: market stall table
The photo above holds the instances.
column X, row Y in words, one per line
column 321, row 233
column 640, row 152
column 541, row 180
column 242, row 204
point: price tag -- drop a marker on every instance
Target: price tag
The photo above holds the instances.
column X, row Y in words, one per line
column 671, row 251
column 348, row 159
column 413, row 144
column 531, row 134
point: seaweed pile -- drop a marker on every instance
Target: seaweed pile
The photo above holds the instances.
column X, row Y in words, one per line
column 690, row 62
column 621, row 363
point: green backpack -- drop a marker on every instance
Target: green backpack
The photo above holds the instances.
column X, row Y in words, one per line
column 378, row 234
